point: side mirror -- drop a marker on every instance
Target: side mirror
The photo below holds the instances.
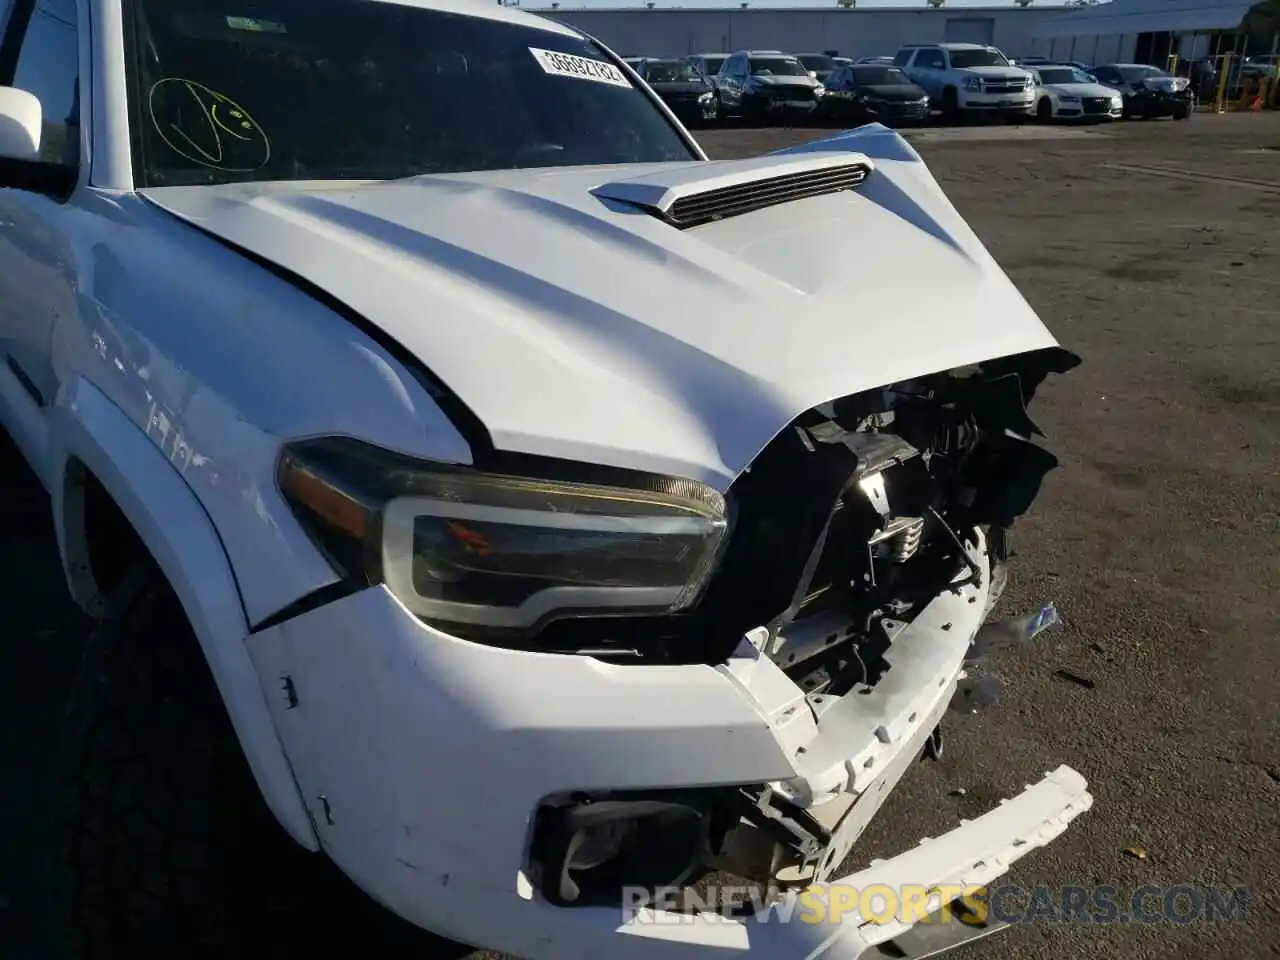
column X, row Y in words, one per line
column 21, row 121
column 812, row 75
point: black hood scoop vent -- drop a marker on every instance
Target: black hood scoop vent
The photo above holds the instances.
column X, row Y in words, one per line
column 730, row 191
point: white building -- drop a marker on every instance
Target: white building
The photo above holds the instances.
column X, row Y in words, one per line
column 1145, row 31
column 875, row 31
column 1142, row 31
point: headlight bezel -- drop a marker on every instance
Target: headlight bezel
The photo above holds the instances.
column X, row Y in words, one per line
column 363, row 506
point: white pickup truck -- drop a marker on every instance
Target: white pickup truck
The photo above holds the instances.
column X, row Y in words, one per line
column 529, row 513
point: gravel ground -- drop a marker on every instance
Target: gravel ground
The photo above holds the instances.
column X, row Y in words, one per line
column 1157, row 538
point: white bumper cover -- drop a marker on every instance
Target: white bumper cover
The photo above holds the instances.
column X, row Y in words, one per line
column 970, row 856
column 423, row 759
column 1016, row 100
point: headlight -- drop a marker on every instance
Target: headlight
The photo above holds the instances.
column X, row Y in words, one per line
column 819, row 90
column 482, row 555
column 1029, row 82
column 973, row 83
column 706, row 97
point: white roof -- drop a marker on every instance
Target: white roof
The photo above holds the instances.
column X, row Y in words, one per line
column 490, row 11
column 1142, row 16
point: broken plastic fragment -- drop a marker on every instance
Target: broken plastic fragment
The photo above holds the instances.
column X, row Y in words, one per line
column 1138, row 853
column 1001, row 636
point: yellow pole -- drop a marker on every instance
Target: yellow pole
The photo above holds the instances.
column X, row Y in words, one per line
column 1220, row 99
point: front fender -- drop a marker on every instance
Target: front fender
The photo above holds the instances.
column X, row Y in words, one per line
column 86, row 425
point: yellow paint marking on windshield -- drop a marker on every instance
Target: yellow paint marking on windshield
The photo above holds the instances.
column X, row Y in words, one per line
column 204, row 117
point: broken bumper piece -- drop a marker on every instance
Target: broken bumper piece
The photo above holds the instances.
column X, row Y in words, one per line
column 428, row 760
column 823, row 921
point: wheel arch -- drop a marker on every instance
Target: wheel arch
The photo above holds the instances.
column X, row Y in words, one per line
column 95, row 450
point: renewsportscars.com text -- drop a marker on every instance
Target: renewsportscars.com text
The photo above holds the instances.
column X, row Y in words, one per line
column 912, row 904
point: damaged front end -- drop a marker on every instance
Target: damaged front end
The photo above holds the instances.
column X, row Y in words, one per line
column 869, row 545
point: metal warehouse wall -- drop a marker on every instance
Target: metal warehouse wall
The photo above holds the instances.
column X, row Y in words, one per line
column 1113, row 48
column 854, row 33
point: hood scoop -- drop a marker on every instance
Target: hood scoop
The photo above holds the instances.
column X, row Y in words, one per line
column 715, row 190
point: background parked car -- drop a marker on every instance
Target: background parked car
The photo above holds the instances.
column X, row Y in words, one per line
column 1148, row 91
column 764, row 85
column 682, row 88
column 1264, row 65
column 874, row 92
column 968, row 78
column 709, row 64
column 1204, row 76
column 1064, row 92
column 819, row 65
column 874, row 60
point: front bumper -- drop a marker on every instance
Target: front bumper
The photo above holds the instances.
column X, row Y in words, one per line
column 777, row 104
column 1089, row 108
column 894, row 112
column 423, row 758
column 1156, row 104
column 1011, row 102
column 690, row 110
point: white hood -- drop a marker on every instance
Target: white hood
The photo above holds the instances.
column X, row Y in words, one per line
column 997, row 73
column 583, row 327
column 779, row 80
column 1082, row 90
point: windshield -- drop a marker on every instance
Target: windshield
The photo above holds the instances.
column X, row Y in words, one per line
column 713, row 64
column 351, row 89
column 1141, row 73
column 670, row 71
column 880, row 76
column 1062, row 75
column 964, row 59
column 777, row 67
column 817, row 62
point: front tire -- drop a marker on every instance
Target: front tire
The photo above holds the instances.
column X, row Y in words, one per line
column 1044, row 110
column 950, row 105
column 164, row 844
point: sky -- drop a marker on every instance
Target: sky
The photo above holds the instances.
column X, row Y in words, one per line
column 726, row 4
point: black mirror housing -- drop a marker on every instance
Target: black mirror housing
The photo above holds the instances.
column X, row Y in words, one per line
column 54, row 180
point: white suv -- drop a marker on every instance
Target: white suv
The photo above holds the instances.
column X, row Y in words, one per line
column 473, row 483
column 968, row 78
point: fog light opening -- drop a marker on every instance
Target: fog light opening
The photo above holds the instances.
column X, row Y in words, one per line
column 597, row 852
column 592, row 847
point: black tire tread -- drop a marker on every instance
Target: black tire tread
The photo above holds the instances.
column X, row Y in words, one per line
column 163, row 843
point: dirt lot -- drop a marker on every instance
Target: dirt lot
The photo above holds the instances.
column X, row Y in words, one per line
column 1157, row 538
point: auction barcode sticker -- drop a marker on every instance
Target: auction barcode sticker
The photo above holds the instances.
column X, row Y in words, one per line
column 581, row 68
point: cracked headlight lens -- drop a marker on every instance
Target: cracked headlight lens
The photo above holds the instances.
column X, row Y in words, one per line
column 483, row 554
